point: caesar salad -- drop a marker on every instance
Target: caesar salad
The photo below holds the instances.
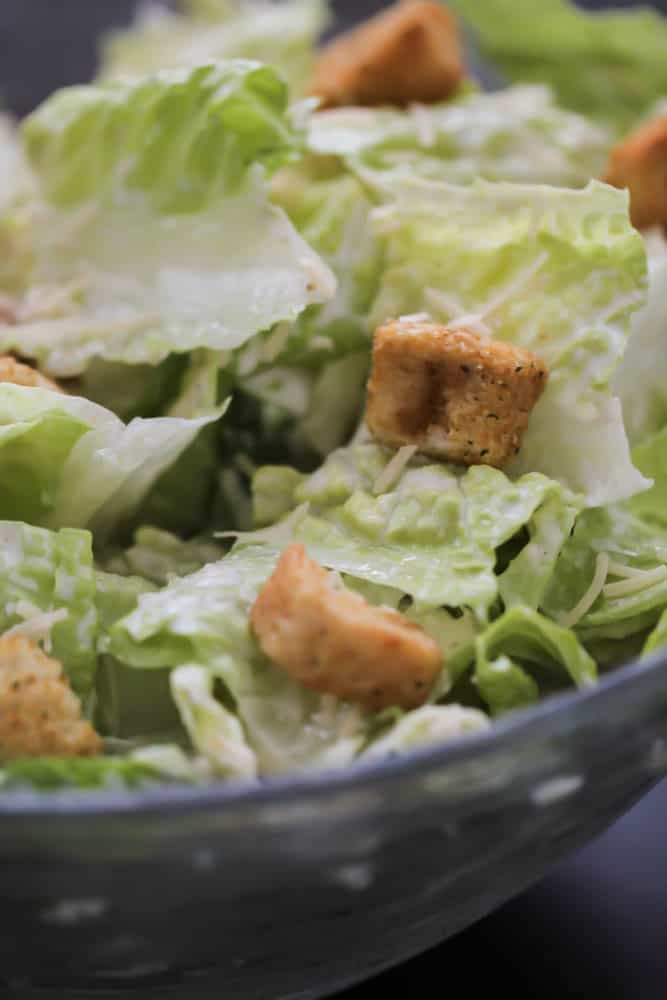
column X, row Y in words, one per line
column 333, row 389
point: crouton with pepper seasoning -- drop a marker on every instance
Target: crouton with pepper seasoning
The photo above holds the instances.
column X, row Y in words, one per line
column 640, row 164
column 333, row 641
column 454, row 395
column 39, row 714
column 17, row 373
column 408, row 54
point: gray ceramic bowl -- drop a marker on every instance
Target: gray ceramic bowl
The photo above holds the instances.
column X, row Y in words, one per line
column 300, row 886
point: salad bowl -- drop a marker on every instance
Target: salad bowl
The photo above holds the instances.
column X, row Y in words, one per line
column 300, row 887
column 280, row 882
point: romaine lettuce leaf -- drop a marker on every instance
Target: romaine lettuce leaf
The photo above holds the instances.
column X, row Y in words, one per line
column 215, row 731
column 67, row 462
column 633, row 536
column 284, row 35
column 203, row 619
column 331, row 210
column 158, row 232
column 42, row 572
column 518, row 134
column 559, row 272
column 130, row 705
column 520, row 656
column 159, row 556
column 641, row 380
column 433, row 534
column 427, row 726
column 49, row 774
column 609, row 64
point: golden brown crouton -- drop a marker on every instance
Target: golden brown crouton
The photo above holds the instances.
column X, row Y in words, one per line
column 13, row 371
column 410, row 53
column 640, row 164
column 454, row 395
column 39, row 715
column 333, row 641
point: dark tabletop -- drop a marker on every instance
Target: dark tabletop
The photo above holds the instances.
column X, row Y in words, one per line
column 596, row 927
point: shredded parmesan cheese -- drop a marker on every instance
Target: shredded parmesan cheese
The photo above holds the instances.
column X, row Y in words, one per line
column 588, row 600
column 37, row 624
column 426, row 133
column 393, row 470
column 641, row 580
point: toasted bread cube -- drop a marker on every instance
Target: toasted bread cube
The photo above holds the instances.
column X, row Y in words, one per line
column 331, row 640
column 410, row 53
column 14, row 371
column 39, row 714
column 640, row 164
column 453, row 394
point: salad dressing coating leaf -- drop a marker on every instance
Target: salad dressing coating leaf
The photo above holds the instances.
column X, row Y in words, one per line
column 156, row 234
column 69, row 462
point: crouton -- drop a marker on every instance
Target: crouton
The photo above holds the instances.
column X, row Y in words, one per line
column 331, row 640
column 640, row 164
column 39, row 714
column 411, row 53
column 454, row 395
column 13, row 371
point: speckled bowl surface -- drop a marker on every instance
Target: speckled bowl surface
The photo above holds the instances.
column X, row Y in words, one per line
column 300, row 886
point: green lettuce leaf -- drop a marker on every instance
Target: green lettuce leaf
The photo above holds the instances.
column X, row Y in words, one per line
column 559, row 272
column 427, row 726
column 633, row 535
column 284, row 35
column 433, row 534
column 159, row 556
column 657, row 638
column 130, row 705
column 608, row 64
column 641, row 380
column 518, row 134
column 215, row 731
column 49, row 774
column 42, row 573
column 519, row 657
column 16, row 187
column 65, row 461
column 157, row 231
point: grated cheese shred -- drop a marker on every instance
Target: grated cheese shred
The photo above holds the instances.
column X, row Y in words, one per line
column 393, row 470
column 588, row 600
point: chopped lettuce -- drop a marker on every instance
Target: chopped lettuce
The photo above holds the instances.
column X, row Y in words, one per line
column 67, row 462
column 159, row 556
column 284, row 35
column 16, row 186
column 556, row 271
column 641, row 380
column 518, row 134
column 157, row 232
column 43, row 572
column 433, row 534
column 49, row 774
column 215, row 731
column 427, row 726
column 520, row 656
column 609, row 64
column 633, row 535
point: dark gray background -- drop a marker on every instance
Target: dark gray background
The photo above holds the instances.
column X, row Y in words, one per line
column 597, row 928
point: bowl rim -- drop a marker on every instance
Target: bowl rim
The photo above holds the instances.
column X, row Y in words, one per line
column 160, row 800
